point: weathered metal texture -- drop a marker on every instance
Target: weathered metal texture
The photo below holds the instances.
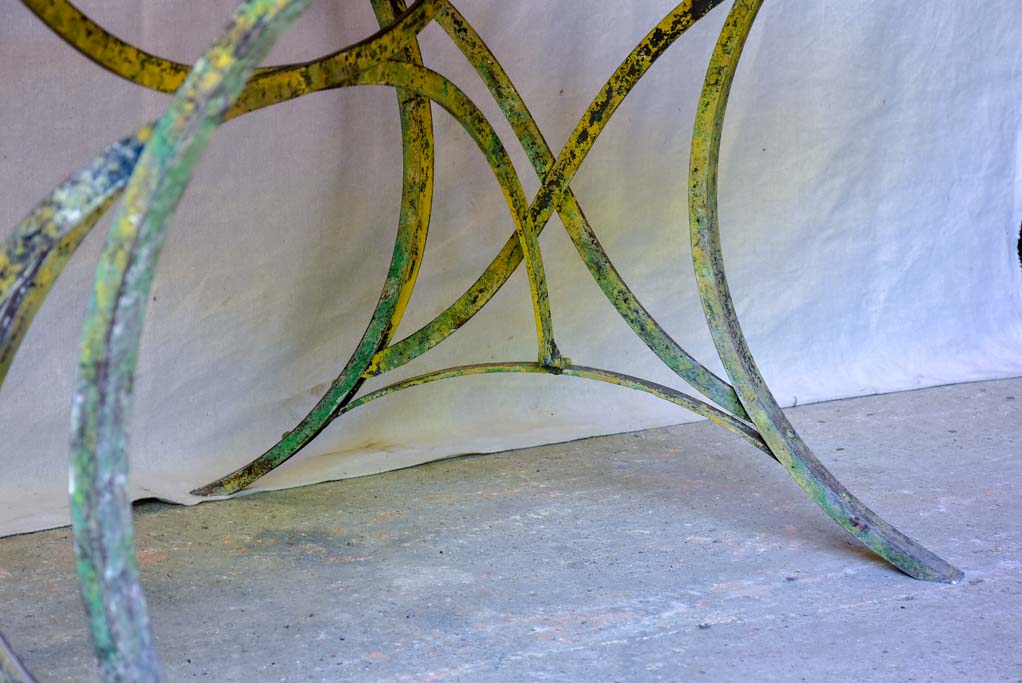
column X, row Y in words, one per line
column 269, row 86
column 674, row 396
column 766, row 414
column 416, row 203
column 33, row 257
column 427, row 83
column 556, row 174
column 31, row 261
column 457, row 104
column 100, row 507
column 159, row 162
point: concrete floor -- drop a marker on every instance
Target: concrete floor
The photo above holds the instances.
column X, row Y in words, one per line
column 677, row 554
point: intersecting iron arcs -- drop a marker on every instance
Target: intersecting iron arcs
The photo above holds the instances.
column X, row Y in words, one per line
column 151, row 167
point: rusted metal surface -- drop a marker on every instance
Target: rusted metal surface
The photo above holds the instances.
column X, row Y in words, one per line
column 152, row 167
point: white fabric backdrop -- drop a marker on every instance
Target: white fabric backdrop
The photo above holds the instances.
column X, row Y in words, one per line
column 871, row 201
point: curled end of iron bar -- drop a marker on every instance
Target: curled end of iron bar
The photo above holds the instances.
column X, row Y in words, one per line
column 779, row 434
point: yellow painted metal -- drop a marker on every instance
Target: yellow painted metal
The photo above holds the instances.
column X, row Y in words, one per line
column 773, row 425
column 391, row 58
column 666, row 393
column 416, row 202
column 434, row 86
column 417, row 183
column 555, row 190
column 38, row 287
column 225, row 84
column 269, row 85
column 100, row 504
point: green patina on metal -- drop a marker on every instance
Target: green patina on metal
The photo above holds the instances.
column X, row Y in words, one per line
column 429, row 84
column 259, row 93
column 555, row 189
column 100, row 508
column 74, row 207
column 766, row 414
column 556, row 174
column 416, row 203
column 33, row 257
column 674, row 396
column 216, row 90
column 455, row 102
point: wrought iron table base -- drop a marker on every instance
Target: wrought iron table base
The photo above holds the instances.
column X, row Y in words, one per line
column 152, row 168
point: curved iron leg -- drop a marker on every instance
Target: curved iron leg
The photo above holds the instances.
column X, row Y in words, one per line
column 409, row 246
column 876, row 534
column 100, row 505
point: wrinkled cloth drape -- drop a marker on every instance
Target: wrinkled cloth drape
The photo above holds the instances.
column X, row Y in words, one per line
column 870, row 206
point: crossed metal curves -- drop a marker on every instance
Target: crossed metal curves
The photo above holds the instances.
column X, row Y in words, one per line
column 159, row 162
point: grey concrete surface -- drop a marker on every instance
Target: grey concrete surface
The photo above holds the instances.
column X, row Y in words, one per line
column 677, row 554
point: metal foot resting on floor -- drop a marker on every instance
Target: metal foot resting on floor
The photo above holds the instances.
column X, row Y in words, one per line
column 773, row 425
column 152, row 167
